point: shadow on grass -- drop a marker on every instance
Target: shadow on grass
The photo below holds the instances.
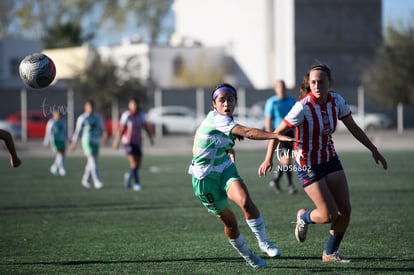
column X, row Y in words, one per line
column 86, row 207
column 282, row 263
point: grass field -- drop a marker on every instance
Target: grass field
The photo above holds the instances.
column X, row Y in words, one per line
column 51, row 225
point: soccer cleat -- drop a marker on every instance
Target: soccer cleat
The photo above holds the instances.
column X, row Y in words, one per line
column 137, row 187
column 301, row 227
column 54, row 170
column 127, row 183
column 86, row 184
column 98, row 185
column 255, row 261
column 292, row 190
column 275, row 186
column 270, row 249
column 334, row 258
column 62, row 172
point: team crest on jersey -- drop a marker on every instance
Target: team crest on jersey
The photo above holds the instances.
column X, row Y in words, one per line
column 310, row 173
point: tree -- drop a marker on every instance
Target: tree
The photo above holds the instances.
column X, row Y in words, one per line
column 389, row 77
column 6, row 17
column 64, row 35
column 44, row 18
column 101, row 82
column 52, row 20
column 150, row 17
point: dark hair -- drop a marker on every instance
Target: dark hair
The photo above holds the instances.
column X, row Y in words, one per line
column 227, row 85
column 90, row 102
column 304, row 87
column 134, row 99
column 321, row 67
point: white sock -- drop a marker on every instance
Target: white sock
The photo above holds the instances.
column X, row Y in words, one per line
column 93, row 168
column 258, row 228
column 59, row 161
column 86, row 173
column 240, row 245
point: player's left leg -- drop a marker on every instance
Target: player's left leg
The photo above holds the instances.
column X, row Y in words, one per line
column 238, row 193
column 338, row 186
column 236, row 239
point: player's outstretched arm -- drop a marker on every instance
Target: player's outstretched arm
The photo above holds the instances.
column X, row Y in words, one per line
column 267, row 164
column 360, row 135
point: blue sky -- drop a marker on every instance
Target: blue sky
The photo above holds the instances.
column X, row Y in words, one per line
column 394, row 11
column 397, row 11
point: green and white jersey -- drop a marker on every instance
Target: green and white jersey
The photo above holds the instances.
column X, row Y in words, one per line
column 212, row 140
column 56, row 132
column 90, row 127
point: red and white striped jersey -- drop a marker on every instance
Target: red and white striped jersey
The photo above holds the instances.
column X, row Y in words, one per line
column 315, row 124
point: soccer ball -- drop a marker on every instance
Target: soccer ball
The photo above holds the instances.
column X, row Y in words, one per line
column 37, row 70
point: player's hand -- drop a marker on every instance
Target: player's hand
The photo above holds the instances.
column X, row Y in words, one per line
column 379, row 158
column 287, row 138
column 72, row 146
column 232, row 155
column 265, row 167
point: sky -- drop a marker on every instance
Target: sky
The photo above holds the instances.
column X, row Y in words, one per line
column 393, row 11
column 397, row 10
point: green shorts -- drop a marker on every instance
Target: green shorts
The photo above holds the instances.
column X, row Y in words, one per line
column 58, row 146
column 212, row 190
column 90, row 148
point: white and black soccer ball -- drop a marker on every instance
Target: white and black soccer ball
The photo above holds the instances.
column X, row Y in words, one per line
column 37, row 70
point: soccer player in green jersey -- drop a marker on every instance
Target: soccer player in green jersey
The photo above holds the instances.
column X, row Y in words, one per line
column 89, row 127
column 56, row 136
column 215, row 178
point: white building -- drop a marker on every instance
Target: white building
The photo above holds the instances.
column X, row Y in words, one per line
column 258, row 34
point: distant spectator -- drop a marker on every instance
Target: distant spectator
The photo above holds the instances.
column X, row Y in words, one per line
column 276, row 108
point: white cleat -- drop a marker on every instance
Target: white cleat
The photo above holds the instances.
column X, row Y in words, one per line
column 98, row 185
column 86, row 184
column 270, row 249
column 255, row 261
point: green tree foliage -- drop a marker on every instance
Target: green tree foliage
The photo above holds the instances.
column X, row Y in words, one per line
column 389, row 77
column 150, row 17
column 51, row 20
column 65, row 35
column 101, row 82
column 6, row 17
column 57, row 23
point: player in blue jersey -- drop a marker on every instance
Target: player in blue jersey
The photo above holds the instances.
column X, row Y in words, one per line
column 276, row 108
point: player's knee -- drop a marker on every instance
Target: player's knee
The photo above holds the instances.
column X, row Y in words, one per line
column 345, row 212
column 329, row 216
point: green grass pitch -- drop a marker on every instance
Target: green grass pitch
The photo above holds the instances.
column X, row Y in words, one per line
column 51, row 225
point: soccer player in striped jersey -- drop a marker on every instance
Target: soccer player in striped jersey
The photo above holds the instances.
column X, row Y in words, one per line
column 317, row 165
column 89, row 127
column 56, row 136
column 130, row 132
column 215, row 178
